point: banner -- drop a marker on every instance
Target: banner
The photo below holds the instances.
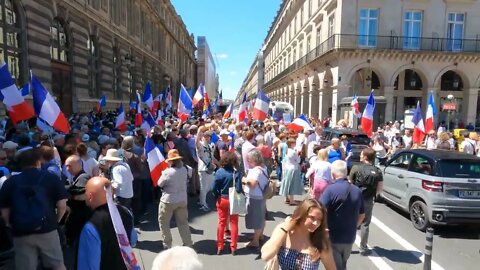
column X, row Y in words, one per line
column 122, row 238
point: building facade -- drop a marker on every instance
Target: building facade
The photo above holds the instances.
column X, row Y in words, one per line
column 206, row 69
column 253, row 82
column 82, row 49
column 319, row 52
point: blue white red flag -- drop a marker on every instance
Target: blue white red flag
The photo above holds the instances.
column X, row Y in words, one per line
column 46, row 107
column 101, row 103
column 242, row 110
column 260, row 109
column 299, row 124
column 148, row 124
column 185, row 104
column 431, row 112
column 228, row 112
column 147, row 96
column 231, row 145
column 156, row 161
column 18, row 109
column 138, row 111
column 355, row 107
column 367, row 116
column 198, row 95
column 419, row 129
column 25, row 89
column 120, row 121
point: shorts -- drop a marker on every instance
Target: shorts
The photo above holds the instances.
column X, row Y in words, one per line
column 46, row 245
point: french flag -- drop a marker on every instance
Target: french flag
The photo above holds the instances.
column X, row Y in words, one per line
column 231, row 145
column 260, row 109
column 355, row 107
column 46, row 107
column 155, row 159
column 228, row 112
column 120, row 122
column 18, row 109
column 156, row 105
column 160, row 117
column 431, row 112
column 198, row 95
column 147, row 96
column 367, row 116
column 138, row 112
column 242, row 111
column 101, row 103
column 148, row 124
column 419, row 129
column 185, row 104
column 25, row 90
column 299, row 124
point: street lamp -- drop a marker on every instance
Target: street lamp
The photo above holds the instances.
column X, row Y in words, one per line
column 129, row 62
column 450, row 97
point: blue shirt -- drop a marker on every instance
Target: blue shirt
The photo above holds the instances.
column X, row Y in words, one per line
column 224, row 181
column 342, row 221
column 334, row 155
column 89, row 247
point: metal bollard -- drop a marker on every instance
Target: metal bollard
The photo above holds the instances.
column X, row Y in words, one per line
column 427, row 263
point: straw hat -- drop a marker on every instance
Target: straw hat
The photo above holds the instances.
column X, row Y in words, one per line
column 112, row 155
column 172, row 155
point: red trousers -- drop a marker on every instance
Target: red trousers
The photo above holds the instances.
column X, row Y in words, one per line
column 223, row 210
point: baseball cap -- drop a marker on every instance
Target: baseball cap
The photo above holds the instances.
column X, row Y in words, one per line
column 9, row 145
column 85, row 138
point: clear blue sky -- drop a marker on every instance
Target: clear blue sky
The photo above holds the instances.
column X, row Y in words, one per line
column 235, row 31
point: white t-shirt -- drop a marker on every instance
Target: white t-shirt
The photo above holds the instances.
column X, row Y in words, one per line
column 122, row 180
column 89, row 165
column 259, row 175
column 321, row 169
column 468, row 146
column 407, row 140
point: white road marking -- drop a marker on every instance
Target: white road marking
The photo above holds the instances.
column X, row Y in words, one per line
column 404, row 243
column 374, row 257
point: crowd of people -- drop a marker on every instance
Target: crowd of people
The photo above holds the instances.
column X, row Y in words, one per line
column 53, row 188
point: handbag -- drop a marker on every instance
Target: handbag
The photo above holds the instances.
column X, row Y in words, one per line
column 272, row 264
column 238, row 205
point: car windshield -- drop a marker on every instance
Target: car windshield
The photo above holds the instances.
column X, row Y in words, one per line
column 357, row 138
column 460, row 168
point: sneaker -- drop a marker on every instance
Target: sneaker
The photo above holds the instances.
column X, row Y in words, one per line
column 365, row 252
column 205, row 208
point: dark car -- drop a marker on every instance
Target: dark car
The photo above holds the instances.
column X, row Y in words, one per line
column 358, row 139
column 436, row 187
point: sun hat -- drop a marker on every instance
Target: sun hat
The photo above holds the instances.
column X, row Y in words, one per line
column 172, row 155
column 112, row 155
column 224, row 132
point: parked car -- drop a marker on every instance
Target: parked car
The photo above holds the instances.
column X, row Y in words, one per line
column 358, row 139
column 436, row 187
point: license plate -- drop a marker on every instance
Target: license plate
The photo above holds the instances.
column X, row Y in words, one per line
column 472, row 194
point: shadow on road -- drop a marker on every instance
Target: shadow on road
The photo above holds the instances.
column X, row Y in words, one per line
column 400, row 256
column 152, row 246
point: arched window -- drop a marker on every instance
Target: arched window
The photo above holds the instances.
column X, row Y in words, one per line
column 10, row 43
column 59, row 42
column 93, row 65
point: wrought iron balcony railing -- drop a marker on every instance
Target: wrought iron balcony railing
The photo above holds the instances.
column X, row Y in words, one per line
column 370, row 42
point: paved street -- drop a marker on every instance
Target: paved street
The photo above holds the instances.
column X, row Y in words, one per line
column 396, row 244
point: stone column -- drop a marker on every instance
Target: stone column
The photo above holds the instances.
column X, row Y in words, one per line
column 312, row 94
column 322, row 104
column 388, row 92
column 291, row 94
column 302, row 96
column 470, row 112
column 338, row 93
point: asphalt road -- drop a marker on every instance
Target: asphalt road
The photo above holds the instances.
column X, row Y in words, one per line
column 396, row 244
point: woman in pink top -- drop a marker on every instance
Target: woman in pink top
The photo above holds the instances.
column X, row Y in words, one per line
column 322, row 175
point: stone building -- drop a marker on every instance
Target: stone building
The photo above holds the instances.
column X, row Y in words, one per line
column 320, row 52
column 82, row 49
column 206, row 69
column 253, row 82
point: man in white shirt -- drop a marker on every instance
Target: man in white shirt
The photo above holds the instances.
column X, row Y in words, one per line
column 269, row 136
column 468, row 145
column 407, row 139
column 122, row 178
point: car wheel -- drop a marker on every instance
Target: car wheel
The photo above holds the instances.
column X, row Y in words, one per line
column 419, row 215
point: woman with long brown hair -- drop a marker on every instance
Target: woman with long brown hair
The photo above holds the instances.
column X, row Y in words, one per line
column 301, row 242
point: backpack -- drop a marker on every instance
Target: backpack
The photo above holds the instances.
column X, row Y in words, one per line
column 366, row 179
column 270, row 189
column 30, row 206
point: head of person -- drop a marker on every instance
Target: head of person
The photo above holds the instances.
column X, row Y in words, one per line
column 10, row 148
column 73, row 164
column 344, row 138
column 282, row 137
column 207, row 136
column 444, row 136
column 249, row 135
column 174, row 159
column 229, row 160
column 127, row 143
column 183, row 133
column 407, row 132
column 106, row 131
column 432, row 134
column 322, row 154
column 177, row 258
column 112, row 157
column 368, row 155
column 335, row 143
column 261, row 141
column 3, row 157
column 224, row 135
column 23, row 140
column 31, row 158
column 318, row 129
column 95, row 193
column 82, row 150
column 339, row 169
column 59, row 140
column 311, row 216
column 104, row 148
column 254, row 158
column 47, row 153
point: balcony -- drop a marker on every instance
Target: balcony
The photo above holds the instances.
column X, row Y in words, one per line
column 395, row 43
